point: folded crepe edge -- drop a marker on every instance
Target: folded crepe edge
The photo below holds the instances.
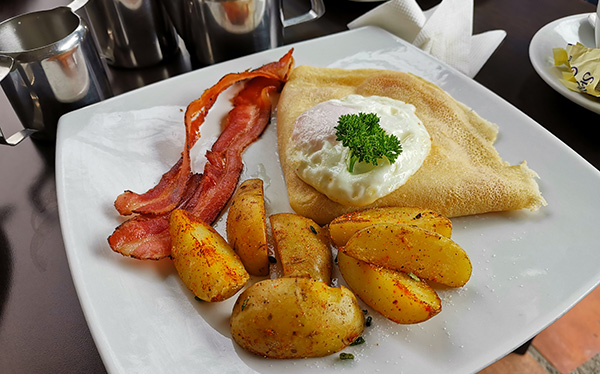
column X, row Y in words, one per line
column 513, row 188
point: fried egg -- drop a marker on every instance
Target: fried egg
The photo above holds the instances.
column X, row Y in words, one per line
column 322, row 161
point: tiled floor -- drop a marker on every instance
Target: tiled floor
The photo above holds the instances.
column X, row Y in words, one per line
column 570, row 345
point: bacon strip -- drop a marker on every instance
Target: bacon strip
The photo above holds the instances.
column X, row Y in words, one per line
column 160, row 199
column 166, row 195
column 198, row 109
column 147, row 237
column 247, row 121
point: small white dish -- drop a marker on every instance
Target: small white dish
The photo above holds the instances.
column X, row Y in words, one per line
column 557, row 34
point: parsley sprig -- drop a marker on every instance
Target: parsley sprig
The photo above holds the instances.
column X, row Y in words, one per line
column 365, row 138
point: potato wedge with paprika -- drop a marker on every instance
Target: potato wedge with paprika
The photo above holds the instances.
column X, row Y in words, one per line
column 302, row 247
column 295, row 318
column 247, row 227
column 398, row 296
column 414, row 250
column 343, row 227
column 206, row 264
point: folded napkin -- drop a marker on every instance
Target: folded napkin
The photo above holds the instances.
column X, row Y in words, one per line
column 445, row 31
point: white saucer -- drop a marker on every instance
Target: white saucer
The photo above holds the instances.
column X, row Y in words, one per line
column 558, row 34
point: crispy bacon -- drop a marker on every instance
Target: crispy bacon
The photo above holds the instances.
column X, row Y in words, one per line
column 143, row 237
column 198, row 109
column 147, row 236
column 167, row 194
column 248, row 119
column 160, row 199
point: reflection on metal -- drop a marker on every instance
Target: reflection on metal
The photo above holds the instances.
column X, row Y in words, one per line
column 68, row 76
column 219, row 30
column 238, row 17
column 49, row 66
column 132, row 33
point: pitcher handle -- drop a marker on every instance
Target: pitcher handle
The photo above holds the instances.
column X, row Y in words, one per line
column 16, row 138
column 75, row 5
column 6, row 65
column 317, row 9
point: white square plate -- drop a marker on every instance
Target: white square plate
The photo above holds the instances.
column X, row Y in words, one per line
column 529, row 268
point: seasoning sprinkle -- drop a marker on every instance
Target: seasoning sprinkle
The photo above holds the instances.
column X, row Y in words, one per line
column 346, row 356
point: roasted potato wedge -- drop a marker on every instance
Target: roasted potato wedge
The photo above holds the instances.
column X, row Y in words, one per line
column 396, row 295
column 206, row 264
column 302, row 247
column 414, row 250
column 247, row 227
column 295, row 317
column 343, row 227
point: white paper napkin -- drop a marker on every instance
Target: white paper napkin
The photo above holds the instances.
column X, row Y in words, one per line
column 445, row 31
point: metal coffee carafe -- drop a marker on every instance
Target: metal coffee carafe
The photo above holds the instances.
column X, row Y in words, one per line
column 132, row 33
column 219, row 30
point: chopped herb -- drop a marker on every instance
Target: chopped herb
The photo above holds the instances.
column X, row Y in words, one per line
column 313, row 230
column 369, row 321
column 414, row 277
column 346, row 356
column 245, row 303
column 197, row 298
column 365, row 138
column 365, row 311
column 272, row 259
column 358, row 341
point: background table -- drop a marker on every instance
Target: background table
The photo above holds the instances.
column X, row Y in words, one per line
column 42, row 326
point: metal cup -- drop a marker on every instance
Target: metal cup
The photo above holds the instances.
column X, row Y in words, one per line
column 49, row 65
column 132, row 33
column 219, row 30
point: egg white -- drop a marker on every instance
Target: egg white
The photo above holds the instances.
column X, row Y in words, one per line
column 322, row 161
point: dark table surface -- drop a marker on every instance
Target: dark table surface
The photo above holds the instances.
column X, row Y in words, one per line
column 42, row 326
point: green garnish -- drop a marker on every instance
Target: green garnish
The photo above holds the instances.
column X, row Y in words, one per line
column 358, row 341
column 365, row 138
column 346, row 356
column 414, row 277
column 245, row 303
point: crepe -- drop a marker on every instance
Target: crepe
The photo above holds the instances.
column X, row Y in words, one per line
column 463, row 173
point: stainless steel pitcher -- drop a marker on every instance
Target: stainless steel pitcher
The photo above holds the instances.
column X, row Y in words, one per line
column 132, row 33
column 219, row 30
column 49, row 65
